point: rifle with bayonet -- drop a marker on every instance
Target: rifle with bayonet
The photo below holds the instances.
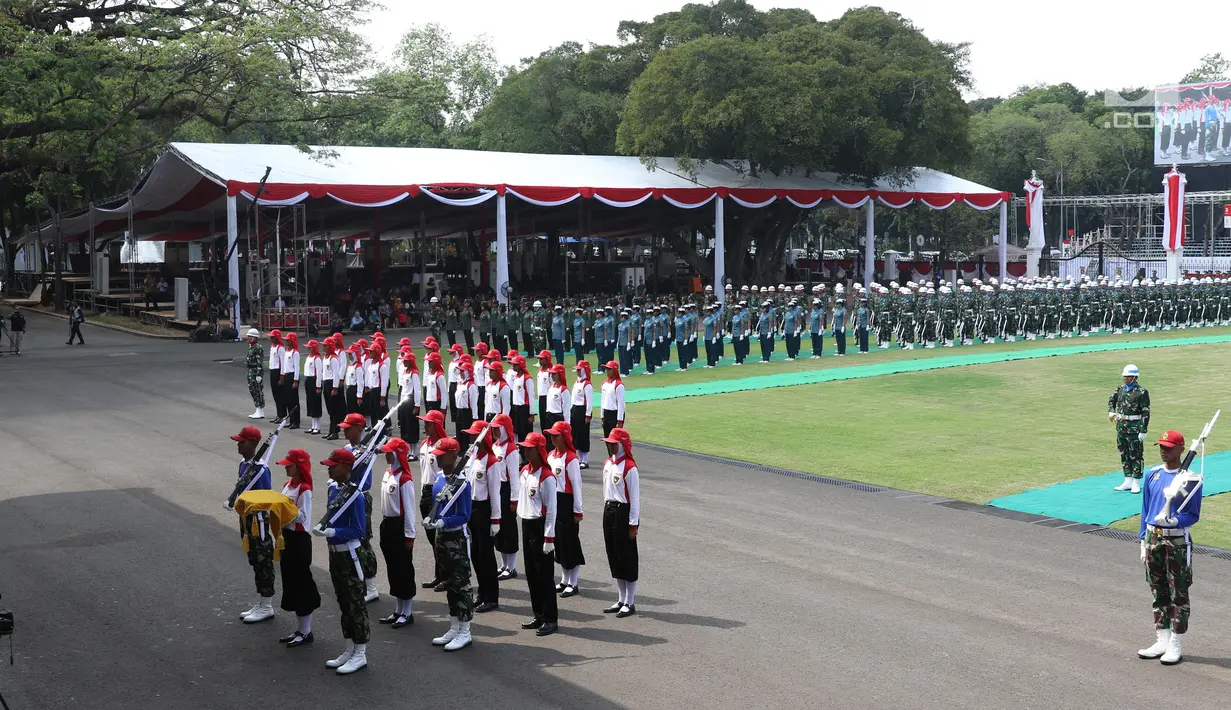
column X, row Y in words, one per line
column 259, row 460
column 458, row 469
column 1183, row 478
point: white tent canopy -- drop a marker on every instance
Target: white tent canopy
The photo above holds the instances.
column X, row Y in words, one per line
column 201, row 183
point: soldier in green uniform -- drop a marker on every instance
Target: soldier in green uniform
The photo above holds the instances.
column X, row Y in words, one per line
column 256, row 372
column 465, row 321
column 450, row 324
column 512, row 324
column 435, row 318
column 527, row 328
column 1129, row 408
column 485, row 323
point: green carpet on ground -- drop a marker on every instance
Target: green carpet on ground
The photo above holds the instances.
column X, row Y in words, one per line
column 1092, row 500
column 647, row 394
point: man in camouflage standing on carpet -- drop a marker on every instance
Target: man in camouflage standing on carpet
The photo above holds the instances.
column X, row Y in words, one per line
column 1129, row 408
column 256, row 372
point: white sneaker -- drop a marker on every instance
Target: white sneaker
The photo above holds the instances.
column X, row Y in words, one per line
column 1159, row 647
column 1128, row 483
column 341, row 660
column 256, row 606
column 258, row 414
column 359, row 659
column 262, row 612
column 1136, row 486
column 454, row 628
column 372, row 593
column 1173, row 654
column 461, row 640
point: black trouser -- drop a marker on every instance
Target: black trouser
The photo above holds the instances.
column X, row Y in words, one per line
column 408, row 425
column 681, row 353
column 621, row 550
column 532, row 348
column 839, row 337
column 544, row 425
column 540, row 571
column 557, row 349
column 337, row 411
column 290, row 399
column 512, row 342
column 626, row 361
column 352, row 400
column 520, row 414
column 581, row 427
column 399, row 559
column 861, row 335
column 579, row 350
column 463, row 421
column 483, row 552
column 468, row 334
column 737, row 344
column 500, row 344
column 275, row 389
column 609, row 421
column 452, row 336
column 711, row 354
column 818, row 344
column 767, row 347
column 312, row 396
column 74, row 331
column 299, row 592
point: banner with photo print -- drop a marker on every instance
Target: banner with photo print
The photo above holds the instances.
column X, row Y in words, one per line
column 1192, row 124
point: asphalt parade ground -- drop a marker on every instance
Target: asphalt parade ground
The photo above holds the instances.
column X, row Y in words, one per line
column 757, row 590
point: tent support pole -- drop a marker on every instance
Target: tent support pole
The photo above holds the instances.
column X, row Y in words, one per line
column 233, row 260
column 502, row 249
column 1004, row 240
column 869, row 246
column 720, row 247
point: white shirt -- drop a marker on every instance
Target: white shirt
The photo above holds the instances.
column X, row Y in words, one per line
column 428, row 468
column 399, row 499
column 583, row 394
column 523, row 389
column 567, row 470
column 480, row 376
column 352, row 371
column 542, row 382
column 290, row 364
column 434, row 390
column 466, row 396
column 483, row 472
column 556, row 398
column 510, row 465
column 371, row 376
column 452, row 371
column 537, row 499
column 409, row 388
column 311, row 366
column 499, row 398
column 613, row 398
column 275, row 357
column 620, row 484
column 303, row 501
column 383, row 371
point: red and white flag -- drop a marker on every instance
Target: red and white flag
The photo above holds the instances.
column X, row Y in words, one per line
column 1173, row 209
column 1034, row 212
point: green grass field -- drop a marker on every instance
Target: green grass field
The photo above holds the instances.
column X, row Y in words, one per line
column 971, row 433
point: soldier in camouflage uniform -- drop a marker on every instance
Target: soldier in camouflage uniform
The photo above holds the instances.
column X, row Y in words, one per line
column 344, row 525
column 1166, row 548
column 1129, row 408
column 449, row 516
column 255, row 362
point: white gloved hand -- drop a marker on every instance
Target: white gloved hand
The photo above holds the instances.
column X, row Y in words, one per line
column 1143, row 550
column 322, row 532
column 259, row 379
column 1141, row 436
column 1111, row 416
column 435, row 524
column 495, row 529
column 549, row 547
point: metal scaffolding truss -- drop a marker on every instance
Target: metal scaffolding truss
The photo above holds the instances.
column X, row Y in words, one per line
column 1134, row 223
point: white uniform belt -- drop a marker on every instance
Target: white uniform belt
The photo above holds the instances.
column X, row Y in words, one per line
column 345, row 547
column 1167, row 532
column 1131, row 417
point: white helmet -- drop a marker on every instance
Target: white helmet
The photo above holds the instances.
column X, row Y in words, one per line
column 252, row 333
column 434, row 300
column 538, row 304
column 1130, row 371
